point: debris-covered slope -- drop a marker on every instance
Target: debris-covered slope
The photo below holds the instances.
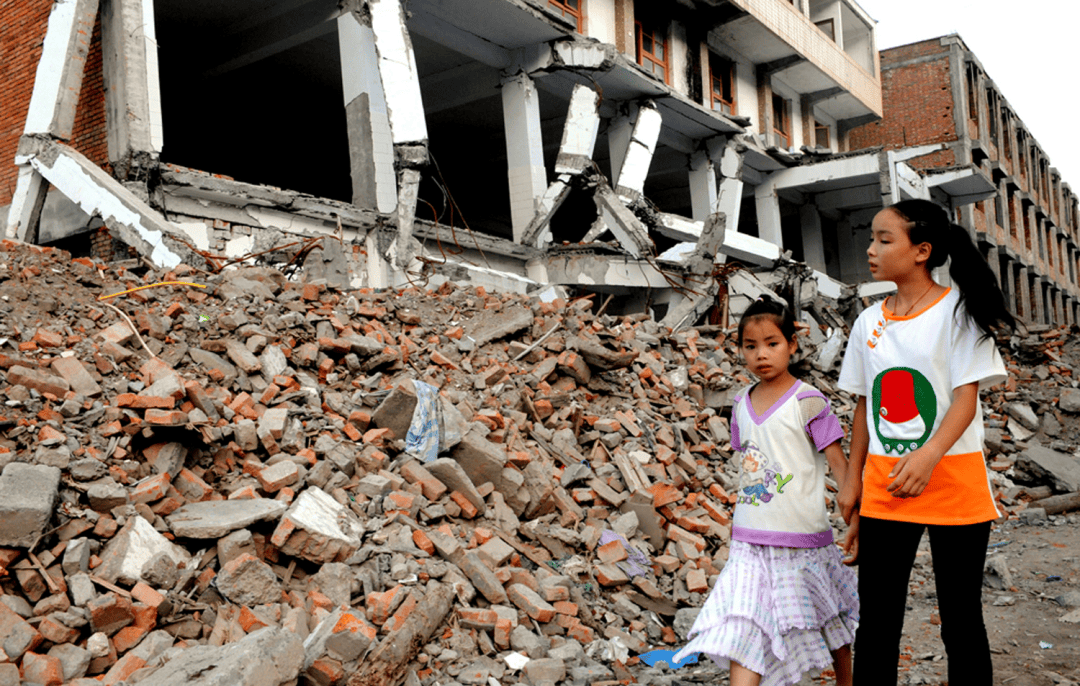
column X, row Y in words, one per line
column 358, row 487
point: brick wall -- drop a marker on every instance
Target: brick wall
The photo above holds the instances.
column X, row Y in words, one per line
column 90, row 132
column 918, row 104
column 22, row 32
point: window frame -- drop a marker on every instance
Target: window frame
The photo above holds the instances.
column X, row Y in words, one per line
column 726, row 66
column 785, row 118
column 831, row 32
column 640, row 28
column 566, row 11
column 818, row 127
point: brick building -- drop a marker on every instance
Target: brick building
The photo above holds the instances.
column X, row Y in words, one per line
column 935, row 92
column 618, row 146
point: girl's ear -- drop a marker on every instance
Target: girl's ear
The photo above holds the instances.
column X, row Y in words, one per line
column 922, row 252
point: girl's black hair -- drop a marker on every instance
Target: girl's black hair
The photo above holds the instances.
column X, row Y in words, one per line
column 768, row 308
column 980, row 293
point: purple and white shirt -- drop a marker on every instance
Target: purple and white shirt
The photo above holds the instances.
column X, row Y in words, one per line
column 781, row 497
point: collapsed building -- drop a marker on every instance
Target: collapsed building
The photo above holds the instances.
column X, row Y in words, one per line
column 936, row 92
column 597, row 145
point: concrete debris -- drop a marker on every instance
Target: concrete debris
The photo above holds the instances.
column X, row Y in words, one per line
column 234, row 502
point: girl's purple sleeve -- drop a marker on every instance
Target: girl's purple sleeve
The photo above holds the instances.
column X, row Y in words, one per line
column 736, row 444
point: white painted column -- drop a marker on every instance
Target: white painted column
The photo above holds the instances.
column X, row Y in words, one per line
column 580, row 131
column 702, row 186
column 397, row 65
column 812, row 240
column 639, row 154
column 26, row 203
column 524, row 150
column 51, row 113
column 371, row 146
column 132, row 81
column 59, row 76
column 768, row 214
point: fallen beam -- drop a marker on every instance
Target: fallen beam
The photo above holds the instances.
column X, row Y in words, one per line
column 127, row 217
column 623, row 224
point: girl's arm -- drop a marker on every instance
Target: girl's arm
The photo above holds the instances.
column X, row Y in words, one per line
column 834, row 454
column 913, row 470
column 851, row 487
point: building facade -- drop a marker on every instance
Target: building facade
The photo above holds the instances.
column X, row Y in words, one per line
column 936, row 92
column 619, row 146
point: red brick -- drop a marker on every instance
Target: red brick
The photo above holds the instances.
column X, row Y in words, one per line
column 166, row 417
column 42, row 669
column 612, row 552
column 423, row 542
column 468, row 510
column 401, row 615
column 124, row 668
column 151, row 489
column 415, row 473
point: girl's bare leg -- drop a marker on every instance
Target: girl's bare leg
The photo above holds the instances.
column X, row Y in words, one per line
column 741, row 676
column 842, row 665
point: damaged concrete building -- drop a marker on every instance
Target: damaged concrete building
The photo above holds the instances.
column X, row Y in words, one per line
column 936, row 92
column 614, row 146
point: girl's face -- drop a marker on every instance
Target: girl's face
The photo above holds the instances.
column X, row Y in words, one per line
column 891, row 254
column 766, row 351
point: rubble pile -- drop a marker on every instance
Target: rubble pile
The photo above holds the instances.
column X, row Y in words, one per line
column 269, row 481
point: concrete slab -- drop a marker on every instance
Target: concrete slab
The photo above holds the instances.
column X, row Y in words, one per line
column 216, row 518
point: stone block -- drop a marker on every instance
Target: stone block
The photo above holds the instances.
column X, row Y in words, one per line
column 396, row 410
column 78, row 378
column 217, row 518
column 481, row 459
column 247, row 580
column 28, row 495
column 38, row 381
column 267, row 656
column 318, row 528
column 124, row 557
column 454, row 477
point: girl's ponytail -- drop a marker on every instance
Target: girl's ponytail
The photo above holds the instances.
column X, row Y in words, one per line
column 980, row 293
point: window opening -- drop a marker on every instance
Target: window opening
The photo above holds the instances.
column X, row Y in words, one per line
column 781, row 121
column 828, row 27
column 722, row 76
column 570, row 9
column 822, row 135
column 652, row 52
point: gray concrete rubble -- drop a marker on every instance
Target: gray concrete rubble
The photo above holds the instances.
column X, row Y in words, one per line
column 253, row 475
column 28, row 495
column 217, row 518
column 268, row 657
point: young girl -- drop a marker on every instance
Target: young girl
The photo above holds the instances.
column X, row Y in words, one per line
column 784, row 603
column 916, row 363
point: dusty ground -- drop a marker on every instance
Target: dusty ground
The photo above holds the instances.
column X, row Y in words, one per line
column 1017, row 618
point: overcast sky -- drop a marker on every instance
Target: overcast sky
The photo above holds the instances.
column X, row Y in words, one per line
column 1028, row 48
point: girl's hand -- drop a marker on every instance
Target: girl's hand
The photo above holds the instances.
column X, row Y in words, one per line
column 912, row 473
column 849, row 497
column 851, row 541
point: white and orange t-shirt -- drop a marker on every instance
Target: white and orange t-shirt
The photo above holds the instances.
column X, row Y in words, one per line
column 907, row 367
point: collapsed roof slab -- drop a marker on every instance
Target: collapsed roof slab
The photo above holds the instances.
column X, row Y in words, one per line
column 127, row 217
column 570, row 268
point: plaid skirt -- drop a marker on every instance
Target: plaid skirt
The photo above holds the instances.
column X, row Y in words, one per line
column 777, row 611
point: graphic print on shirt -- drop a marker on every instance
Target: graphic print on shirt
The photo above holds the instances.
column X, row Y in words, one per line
column 757, row 476
column 905, row 408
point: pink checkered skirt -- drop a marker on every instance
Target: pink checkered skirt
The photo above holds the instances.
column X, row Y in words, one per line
column 777, row 611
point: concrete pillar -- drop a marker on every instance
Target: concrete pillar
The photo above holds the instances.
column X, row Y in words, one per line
column 768, row 214
column 1039, row 314
column 580, row 131
column 702, row 185
column 524, row 150
column 812, row 240
column 397, row 66
column 1004, row 276
column 51, row 113
column 26, row 203
column 132, row 85
column 371, row 147
column 619, row 131
column 59, row 76
column 1024, row 296
column 639, row 153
